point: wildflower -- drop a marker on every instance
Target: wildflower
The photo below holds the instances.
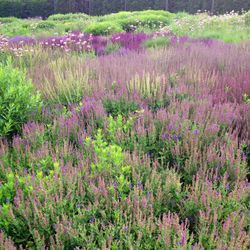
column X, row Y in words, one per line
column 196, row 132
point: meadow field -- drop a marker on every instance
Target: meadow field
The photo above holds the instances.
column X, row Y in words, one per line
column 125, row 131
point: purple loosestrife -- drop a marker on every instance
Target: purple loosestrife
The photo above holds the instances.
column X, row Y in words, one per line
column 6, row 243
column 183, row 181
column 131, row 41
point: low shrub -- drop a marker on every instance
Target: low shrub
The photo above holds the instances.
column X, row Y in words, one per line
column 67, row 17
column 18, row 99
column 154, row 21
column 8, row 19
column 116, row 16
column 247, row 18
column 131, row 20
column 142, row 20
column 46, row 25
column 119, row 107
column 103, row 28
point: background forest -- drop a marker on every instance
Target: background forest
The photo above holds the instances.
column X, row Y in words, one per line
column 44, row 8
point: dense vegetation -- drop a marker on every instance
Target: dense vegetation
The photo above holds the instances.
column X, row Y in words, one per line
column 221, row 27
column 44, row 8
column 131, row 135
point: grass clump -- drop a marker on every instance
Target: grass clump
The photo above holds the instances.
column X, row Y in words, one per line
column 157, row 42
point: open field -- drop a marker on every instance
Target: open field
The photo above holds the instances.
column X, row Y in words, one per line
column 120, row 132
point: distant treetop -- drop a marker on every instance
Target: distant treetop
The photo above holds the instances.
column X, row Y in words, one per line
column 44, row 8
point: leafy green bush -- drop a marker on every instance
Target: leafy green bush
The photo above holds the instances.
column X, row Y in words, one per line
column 67, row 17
column 153, row 20
column 129, row 21
column 46, row 25
column 18, row 99
column 103, row 28
column 149, row 19
column 116, row 16
column 120, row 107
column 8, row 19
column 247, row 18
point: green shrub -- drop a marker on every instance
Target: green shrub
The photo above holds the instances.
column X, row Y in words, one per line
column 18, row 100
column 8, row 19
column 46, row 25
column 116, row 16
column 110, row 159
column 120, row 107
column 103, row 28
column 149, row 19
column 153, row 20
column 247, row 18
column 67, row 17
column 157, row 42
column 129, row 24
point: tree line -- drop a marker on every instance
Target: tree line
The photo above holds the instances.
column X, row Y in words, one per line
column 44, row 8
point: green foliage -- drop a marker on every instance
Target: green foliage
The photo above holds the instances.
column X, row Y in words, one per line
column 110, row 161
column 8, row 19
column 157, row 104
column 46, row 25
column 246, row 99
column 17, row 228
column 8, row 189
column 68, row 17
column 103, row 28
column 247, row 18
column 246, row 150
column 118, row 125
column 157, row 42
column 110, row 156
column 120, row 107
column 4, row 56
column 112, row 47
column 203, row 25
column 172, row 192
column 116, row 16
column 18, row 99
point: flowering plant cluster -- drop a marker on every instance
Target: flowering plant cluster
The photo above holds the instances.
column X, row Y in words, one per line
column 84, row 42
column 148, row 149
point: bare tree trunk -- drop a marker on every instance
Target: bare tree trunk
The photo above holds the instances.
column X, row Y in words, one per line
column 90, row 6
column 54, row 6
column 125, row 5
column 212, row 6
column 167, row 5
